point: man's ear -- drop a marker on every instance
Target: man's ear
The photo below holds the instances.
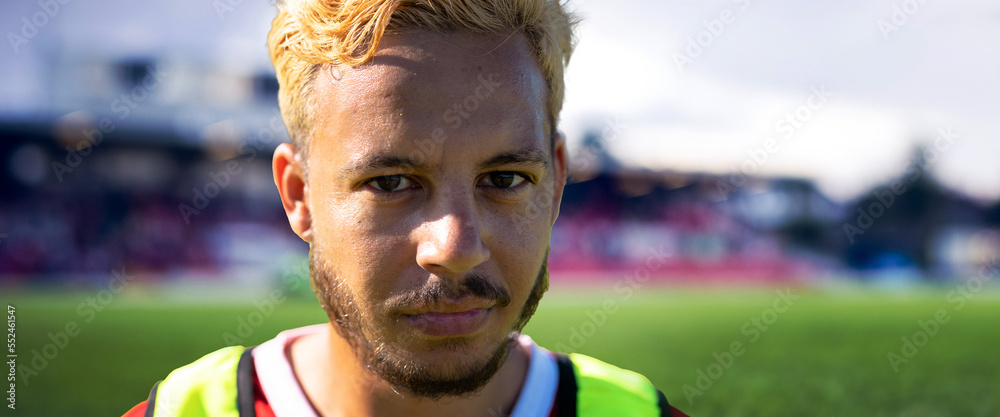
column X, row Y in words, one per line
column 289, row 176
column 561, row 167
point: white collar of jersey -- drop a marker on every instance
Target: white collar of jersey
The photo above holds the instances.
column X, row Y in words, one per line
column 287, row 399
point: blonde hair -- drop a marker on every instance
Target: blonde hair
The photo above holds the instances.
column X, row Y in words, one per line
column 307, row 34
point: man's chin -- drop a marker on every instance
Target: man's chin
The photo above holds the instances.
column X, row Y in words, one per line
column 450, row 367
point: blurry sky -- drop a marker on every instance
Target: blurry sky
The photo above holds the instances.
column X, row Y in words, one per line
column 936, row 67
column 940, row 69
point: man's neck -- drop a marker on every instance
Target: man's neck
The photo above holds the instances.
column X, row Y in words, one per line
column 338, row 384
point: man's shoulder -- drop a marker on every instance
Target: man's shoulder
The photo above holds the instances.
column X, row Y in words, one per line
column 198, row 385
column 590, row 370
column 212, row 359
column 602, row 381
column 210, row 367
column 590, row 386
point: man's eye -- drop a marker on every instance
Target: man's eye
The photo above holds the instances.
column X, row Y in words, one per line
column 390, row 183
column 505, row 179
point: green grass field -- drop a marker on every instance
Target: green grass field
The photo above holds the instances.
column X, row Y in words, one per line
column 824, row 355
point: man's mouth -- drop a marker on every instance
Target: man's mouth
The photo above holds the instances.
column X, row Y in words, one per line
column 449, row 324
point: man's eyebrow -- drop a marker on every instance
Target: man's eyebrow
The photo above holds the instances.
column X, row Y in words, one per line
column 381, row 161
column 524, row 156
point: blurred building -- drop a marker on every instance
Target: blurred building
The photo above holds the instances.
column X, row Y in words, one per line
column 142, row 142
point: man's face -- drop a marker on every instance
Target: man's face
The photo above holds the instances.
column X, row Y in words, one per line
column 433, row 183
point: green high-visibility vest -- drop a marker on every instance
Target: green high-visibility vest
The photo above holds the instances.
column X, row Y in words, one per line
column 220, row 384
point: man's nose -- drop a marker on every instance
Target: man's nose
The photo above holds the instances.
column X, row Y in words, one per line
column 452, row 240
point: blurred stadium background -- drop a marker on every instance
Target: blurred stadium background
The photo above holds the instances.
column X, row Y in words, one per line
column 140, row 228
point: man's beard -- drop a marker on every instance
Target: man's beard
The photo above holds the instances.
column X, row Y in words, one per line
column 388, row 360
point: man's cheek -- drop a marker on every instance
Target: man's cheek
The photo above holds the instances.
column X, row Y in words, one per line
column 516, row 229
column 337, row 226
column 522, row 279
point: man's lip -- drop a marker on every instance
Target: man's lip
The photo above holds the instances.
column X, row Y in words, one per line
column 449, row 324
column 459, row 306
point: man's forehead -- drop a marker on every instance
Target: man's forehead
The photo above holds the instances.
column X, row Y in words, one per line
column 434, row 84
column 410, row 54
column 419, row 62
